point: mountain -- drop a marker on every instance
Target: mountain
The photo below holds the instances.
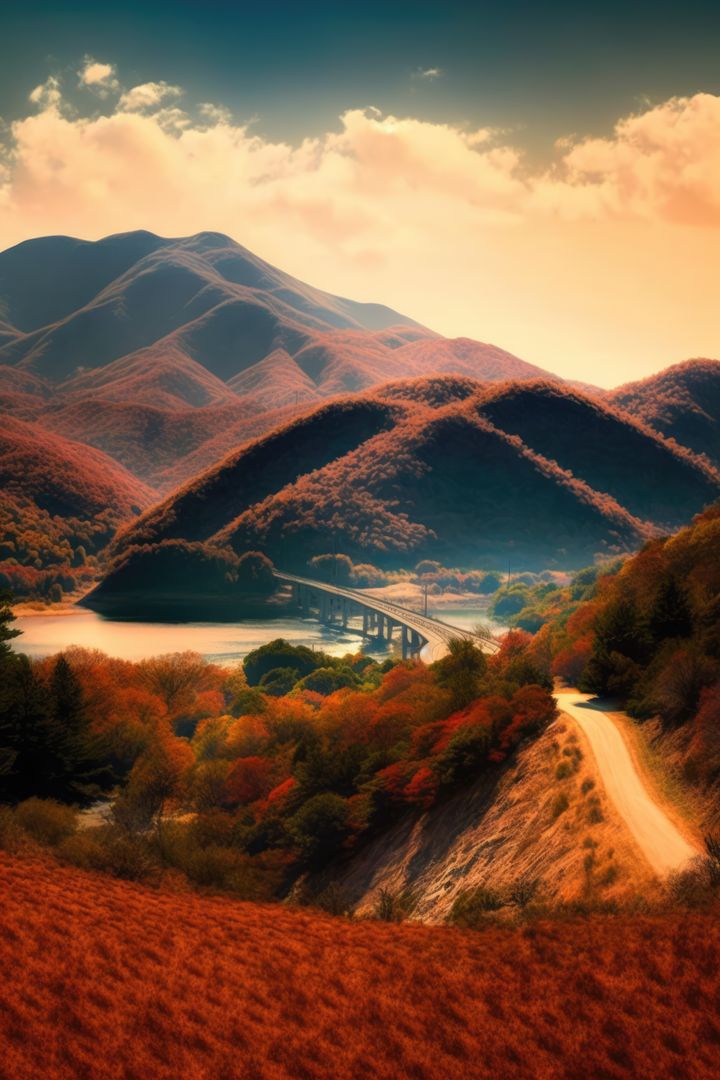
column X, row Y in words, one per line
column 654, row 480
column 61, row 502
column 167, row 354
column 682, row 402
column 169, row 381
column 65, row 477
column 71, row 306
column 204, row 295
column 442, row 467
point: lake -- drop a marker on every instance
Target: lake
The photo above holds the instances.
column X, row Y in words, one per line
column 222, row 643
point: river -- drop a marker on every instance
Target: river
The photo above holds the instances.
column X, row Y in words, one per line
column 223, row 643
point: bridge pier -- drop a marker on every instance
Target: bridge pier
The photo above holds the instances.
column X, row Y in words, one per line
column 379, row 617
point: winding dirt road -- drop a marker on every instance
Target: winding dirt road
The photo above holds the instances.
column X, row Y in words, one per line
column 663, row 845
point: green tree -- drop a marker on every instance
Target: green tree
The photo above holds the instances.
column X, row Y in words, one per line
column 7, row 632
column 461, row 671
column 320, row 827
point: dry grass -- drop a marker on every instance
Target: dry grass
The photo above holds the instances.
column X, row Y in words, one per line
column 109, row 980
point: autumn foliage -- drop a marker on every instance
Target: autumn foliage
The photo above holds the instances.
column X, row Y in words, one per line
column 114, row 981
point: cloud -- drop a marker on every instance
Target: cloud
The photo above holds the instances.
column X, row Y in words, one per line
column 429, row 73
column 662, row 163
column 47, row 94
column 214, row 114
column 97, row 76
column 147, row 95
column 606, row 258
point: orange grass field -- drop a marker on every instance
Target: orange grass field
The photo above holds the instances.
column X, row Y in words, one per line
column 110, row 980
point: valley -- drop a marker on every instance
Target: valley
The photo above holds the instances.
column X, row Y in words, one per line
column 359, row 541
column 191, row 437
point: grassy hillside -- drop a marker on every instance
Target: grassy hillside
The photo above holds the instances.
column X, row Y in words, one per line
column 170, row 985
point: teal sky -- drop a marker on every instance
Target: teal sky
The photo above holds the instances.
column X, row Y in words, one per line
column 544, row 70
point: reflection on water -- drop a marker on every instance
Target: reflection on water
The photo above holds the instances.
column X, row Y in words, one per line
column 220, row 642
column 223, row 643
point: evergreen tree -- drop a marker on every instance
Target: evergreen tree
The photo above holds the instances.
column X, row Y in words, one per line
column 82, row 767
column 7, row 632
column 27, row 758
column 670, row 616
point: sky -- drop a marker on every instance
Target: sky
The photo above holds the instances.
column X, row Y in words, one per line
column 543, row 177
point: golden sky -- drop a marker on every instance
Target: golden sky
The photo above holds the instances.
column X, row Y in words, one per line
column 602, row 265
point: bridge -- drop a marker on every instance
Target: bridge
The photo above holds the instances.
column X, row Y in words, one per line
column 419, row 635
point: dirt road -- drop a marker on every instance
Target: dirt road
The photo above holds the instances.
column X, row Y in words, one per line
column 664, row 846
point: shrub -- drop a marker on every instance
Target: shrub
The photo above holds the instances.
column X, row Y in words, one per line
column 523, row 891
column 326, row 680
column 11, row 835
column 473, row 905
column 563, row 770
column 281, row 654
column 45, row 820
column 128, row 857
column 83, row 850
column 394, row 906
column 279, row 681
column 692, row 887
column 216, row 866
column 334, row 900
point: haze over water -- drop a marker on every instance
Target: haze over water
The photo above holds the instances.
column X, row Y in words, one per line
column 224, row 643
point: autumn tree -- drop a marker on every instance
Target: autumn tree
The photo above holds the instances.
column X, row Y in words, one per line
column 175, row 677
column 156, row 777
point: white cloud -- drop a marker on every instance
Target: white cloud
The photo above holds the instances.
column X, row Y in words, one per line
column 609, row 254
column 98, row 76
column 429, row 73
column 147, row 96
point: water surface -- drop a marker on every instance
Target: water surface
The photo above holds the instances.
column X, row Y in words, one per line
column 223, row 643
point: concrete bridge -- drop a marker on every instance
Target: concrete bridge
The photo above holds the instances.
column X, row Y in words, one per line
column 419, row 635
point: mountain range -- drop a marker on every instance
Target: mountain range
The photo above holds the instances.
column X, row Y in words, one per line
column 257, row 411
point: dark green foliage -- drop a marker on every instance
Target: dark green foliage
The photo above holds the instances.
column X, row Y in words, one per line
column 7, row 632
column 281, row 654
column 177, row 572
column 320, row 827
column 465, row 754
column 46, row 748
column 327, row 680
column 279, row 681
column 253, row 574
column 461, row 671
column 670, row 615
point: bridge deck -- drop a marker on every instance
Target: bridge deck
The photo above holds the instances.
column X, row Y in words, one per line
column 436, row 634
